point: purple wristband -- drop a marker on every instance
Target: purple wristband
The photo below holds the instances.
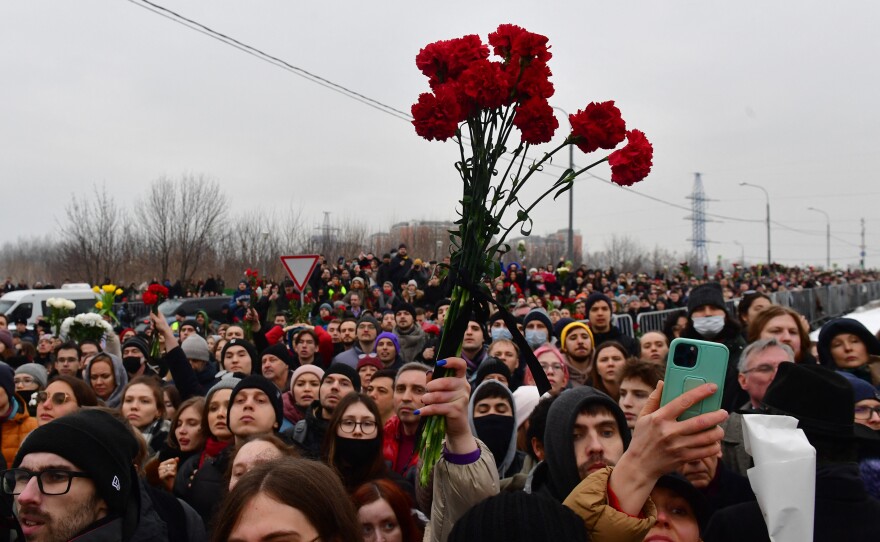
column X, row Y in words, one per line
column 461, row 459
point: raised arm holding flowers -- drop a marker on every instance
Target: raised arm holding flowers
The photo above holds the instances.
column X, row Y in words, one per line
column 478, row 102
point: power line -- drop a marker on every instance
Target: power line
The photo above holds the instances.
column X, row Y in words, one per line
column 266, row 57
column 403, row 115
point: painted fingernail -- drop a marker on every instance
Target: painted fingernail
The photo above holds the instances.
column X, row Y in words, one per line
column 417, row 412
column 441, row 363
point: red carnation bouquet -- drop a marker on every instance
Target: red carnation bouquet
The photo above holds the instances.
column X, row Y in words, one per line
column 479, row 94
column 155, row 294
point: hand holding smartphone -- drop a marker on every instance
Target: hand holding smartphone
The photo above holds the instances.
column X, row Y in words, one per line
column 690, row 364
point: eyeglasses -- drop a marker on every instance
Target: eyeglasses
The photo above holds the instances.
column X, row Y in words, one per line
column 50, row 481
column 367, row 426
column 58, row 398
column 865, row 412
column 764, row 368
column 556, row 367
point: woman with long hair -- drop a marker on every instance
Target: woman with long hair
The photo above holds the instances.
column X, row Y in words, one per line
column 353, row 443
column 143, row 405
column 291, row 497
column 385, row 512
column 786, row 326
column 186, row 439
column 64, row 395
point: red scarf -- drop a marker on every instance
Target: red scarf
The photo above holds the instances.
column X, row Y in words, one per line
column 213, row 447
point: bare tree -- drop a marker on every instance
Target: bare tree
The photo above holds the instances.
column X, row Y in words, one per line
column 622, row 253
column 92, row 236
column 202, row 209
column 180, row 220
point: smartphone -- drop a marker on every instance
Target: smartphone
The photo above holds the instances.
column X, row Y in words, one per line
column 690, row 364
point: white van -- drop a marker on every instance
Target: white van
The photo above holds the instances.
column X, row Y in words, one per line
column 31, row 304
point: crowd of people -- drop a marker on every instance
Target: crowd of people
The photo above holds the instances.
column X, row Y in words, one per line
column 273, row 424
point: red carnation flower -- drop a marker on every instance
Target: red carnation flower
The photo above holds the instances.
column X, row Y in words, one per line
column 502, row 39
column 532, row 80
column 149, row 298
column 486, row 84
column 632, row 163
column 529, row 46
column 534, row 118
column 445, row 60
column 436, row 116
column 599, row 125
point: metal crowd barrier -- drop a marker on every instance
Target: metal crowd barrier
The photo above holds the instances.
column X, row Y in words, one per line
column 817, row 304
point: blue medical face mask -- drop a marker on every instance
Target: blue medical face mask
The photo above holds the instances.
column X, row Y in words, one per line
column 500, row 333
column 536, row 337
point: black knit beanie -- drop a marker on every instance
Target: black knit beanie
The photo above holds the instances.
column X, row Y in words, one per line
column 594, row 298
column 280, row 351
column 251, row 350
column 263, row 384
column 347, row 371
column 138, row 343
column 706, row 294
column 491, row 365
column 518, row 516
column 96, row 443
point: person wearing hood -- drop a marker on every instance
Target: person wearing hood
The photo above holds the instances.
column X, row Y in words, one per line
column 492, row 418
column 15, row 421
column 846, row 345
column 106, row 375
column 866, row 407
column 843, row 508
column 600, row 316
column 585, row 432
column 365, row 339
column 30, row 378
column 709, row 320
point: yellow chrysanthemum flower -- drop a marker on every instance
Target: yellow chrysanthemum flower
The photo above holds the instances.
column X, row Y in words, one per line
column 118, row 291
column 109, row 288
column 99, row 305
column 96, row 290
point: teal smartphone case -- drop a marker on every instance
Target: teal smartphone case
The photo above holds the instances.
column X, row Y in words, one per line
column 710, row 366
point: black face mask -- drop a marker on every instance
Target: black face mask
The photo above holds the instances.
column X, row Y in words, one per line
column 357, row 452
column 495, row 431
column 132, row 364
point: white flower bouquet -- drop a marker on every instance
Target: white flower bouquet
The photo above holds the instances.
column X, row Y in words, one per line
column 59, row 309
column 88, row 326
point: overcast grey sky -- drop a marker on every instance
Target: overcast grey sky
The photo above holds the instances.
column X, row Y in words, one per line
column 779, row 94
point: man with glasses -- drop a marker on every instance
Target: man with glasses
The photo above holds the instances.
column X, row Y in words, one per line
column 75, row 477
column 757, row 367
column 67, row 360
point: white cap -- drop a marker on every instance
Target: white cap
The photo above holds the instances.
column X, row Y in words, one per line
column 526, row 399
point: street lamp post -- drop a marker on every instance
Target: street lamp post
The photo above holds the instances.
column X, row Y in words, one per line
column 827, row 237
column 570, row 248
column 761, row 188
